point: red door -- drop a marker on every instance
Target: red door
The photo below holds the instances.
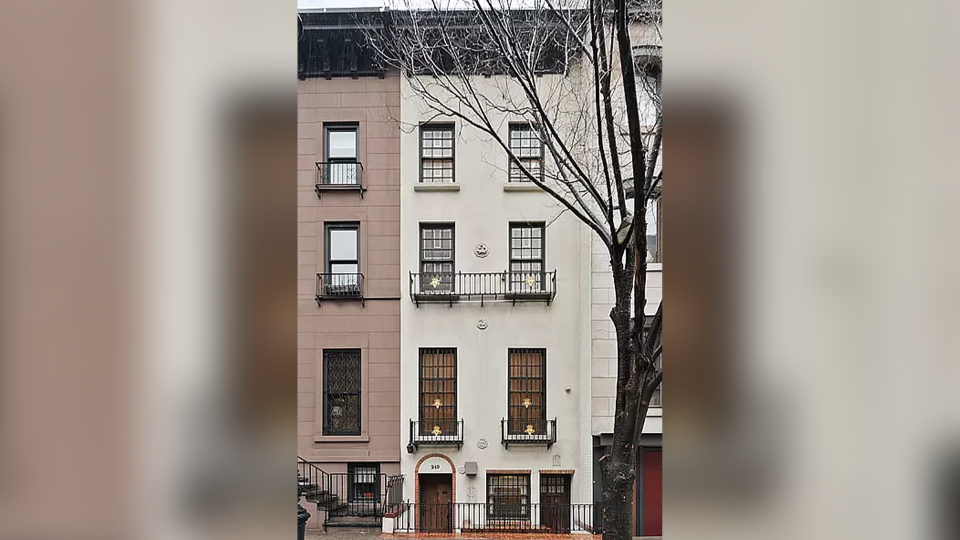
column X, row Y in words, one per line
column 653, row 493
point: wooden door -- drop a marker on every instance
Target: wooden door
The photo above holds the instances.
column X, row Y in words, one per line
column 436, row 498
column 555, row 502
column 653, row 493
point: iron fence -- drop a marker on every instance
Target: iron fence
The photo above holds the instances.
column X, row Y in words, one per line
column 482, row 286
column 536, row 431
column 334, row 174
column 436, row 433
column 489, row 518
column 362, row 492
column 339, row 286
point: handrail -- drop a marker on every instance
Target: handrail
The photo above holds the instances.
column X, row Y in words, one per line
column 337, row 286
column 313, row 475
column 444, row 432
column 339, row 494
column 339, row 174
column 482, row 286
column 539, row 431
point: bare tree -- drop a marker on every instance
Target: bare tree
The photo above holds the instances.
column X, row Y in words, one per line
column 571, row 71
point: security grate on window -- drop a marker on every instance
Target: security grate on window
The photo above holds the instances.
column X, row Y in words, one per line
column 341, row 392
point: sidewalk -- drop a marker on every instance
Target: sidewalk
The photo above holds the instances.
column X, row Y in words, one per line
column 492, row 536
column 347, row 533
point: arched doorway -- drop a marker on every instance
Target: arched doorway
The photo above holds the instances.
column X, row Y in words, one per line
column 435, row 499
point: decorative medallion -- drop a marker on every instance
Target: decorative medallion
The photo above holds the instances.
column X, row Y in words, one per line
column 556, row 460
column 437, row 403
column 462, row 470
column 472, row 494
column 482, row 324
column 435, row 282
column 481, row 444
column 531, row 281
column 530, row 430
column 481, row 250
column 527, row 403
column 436, row 430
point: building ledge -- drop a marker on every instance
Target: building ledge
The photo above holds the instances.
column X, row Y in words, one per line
column 436, row 187
column 340, row 438
column 521, row 187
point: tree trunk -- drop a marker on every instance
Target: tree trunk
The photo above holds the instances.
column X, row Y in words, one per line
column 618, row 466
column 617, row 500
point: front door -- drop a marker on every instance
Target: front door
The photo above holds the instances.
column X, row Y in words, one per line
column 436, row 498
column 652, row 492
column 555, row 502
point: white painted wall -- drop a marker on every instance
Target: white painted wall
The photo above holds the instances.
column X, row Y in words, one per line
column 482, row 211
column 603, row 342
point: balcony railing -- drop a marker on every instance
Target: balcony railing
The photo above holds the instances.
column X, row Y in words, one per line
column 339, row 287
column 496, row 518
column 483, row 286
column 435, row 433
column 333, row 176
column 528, row 431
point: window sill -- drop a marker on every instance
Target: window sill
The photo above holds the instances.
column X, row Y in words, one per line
column 436, row 187
column 340, row 438
column 655, row 411
column 521, row 187
column 654, row 267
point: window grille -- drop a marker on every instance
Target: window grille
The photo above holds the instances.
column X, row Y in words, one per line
column 527, row 403
column 508, row 496
column 438, row 392
column 364, row 480
column 341, row 392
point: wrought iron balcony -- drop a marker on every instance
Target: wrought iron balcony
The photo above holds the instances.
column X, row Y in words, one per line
column 339, row 287
column 339, row 176
column 435, row 433
column 519, row 430
column 483, row 286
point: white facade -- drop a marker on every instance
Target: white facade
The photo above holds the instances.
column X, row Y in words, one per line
column 481, row 203
column 603, row 341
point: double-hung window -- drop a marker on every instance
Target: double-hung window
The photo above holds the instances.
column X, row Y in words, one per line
column 341, row 392
column 342, row 259
column 364, row 482
column 438, row 392
column 436, row 257
column 656, row 400
column 341, row 155
column 653, row 228
column 527, row 398
column 436, row 153
column 527, row 242
column 525, row 145
column 508, row 496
